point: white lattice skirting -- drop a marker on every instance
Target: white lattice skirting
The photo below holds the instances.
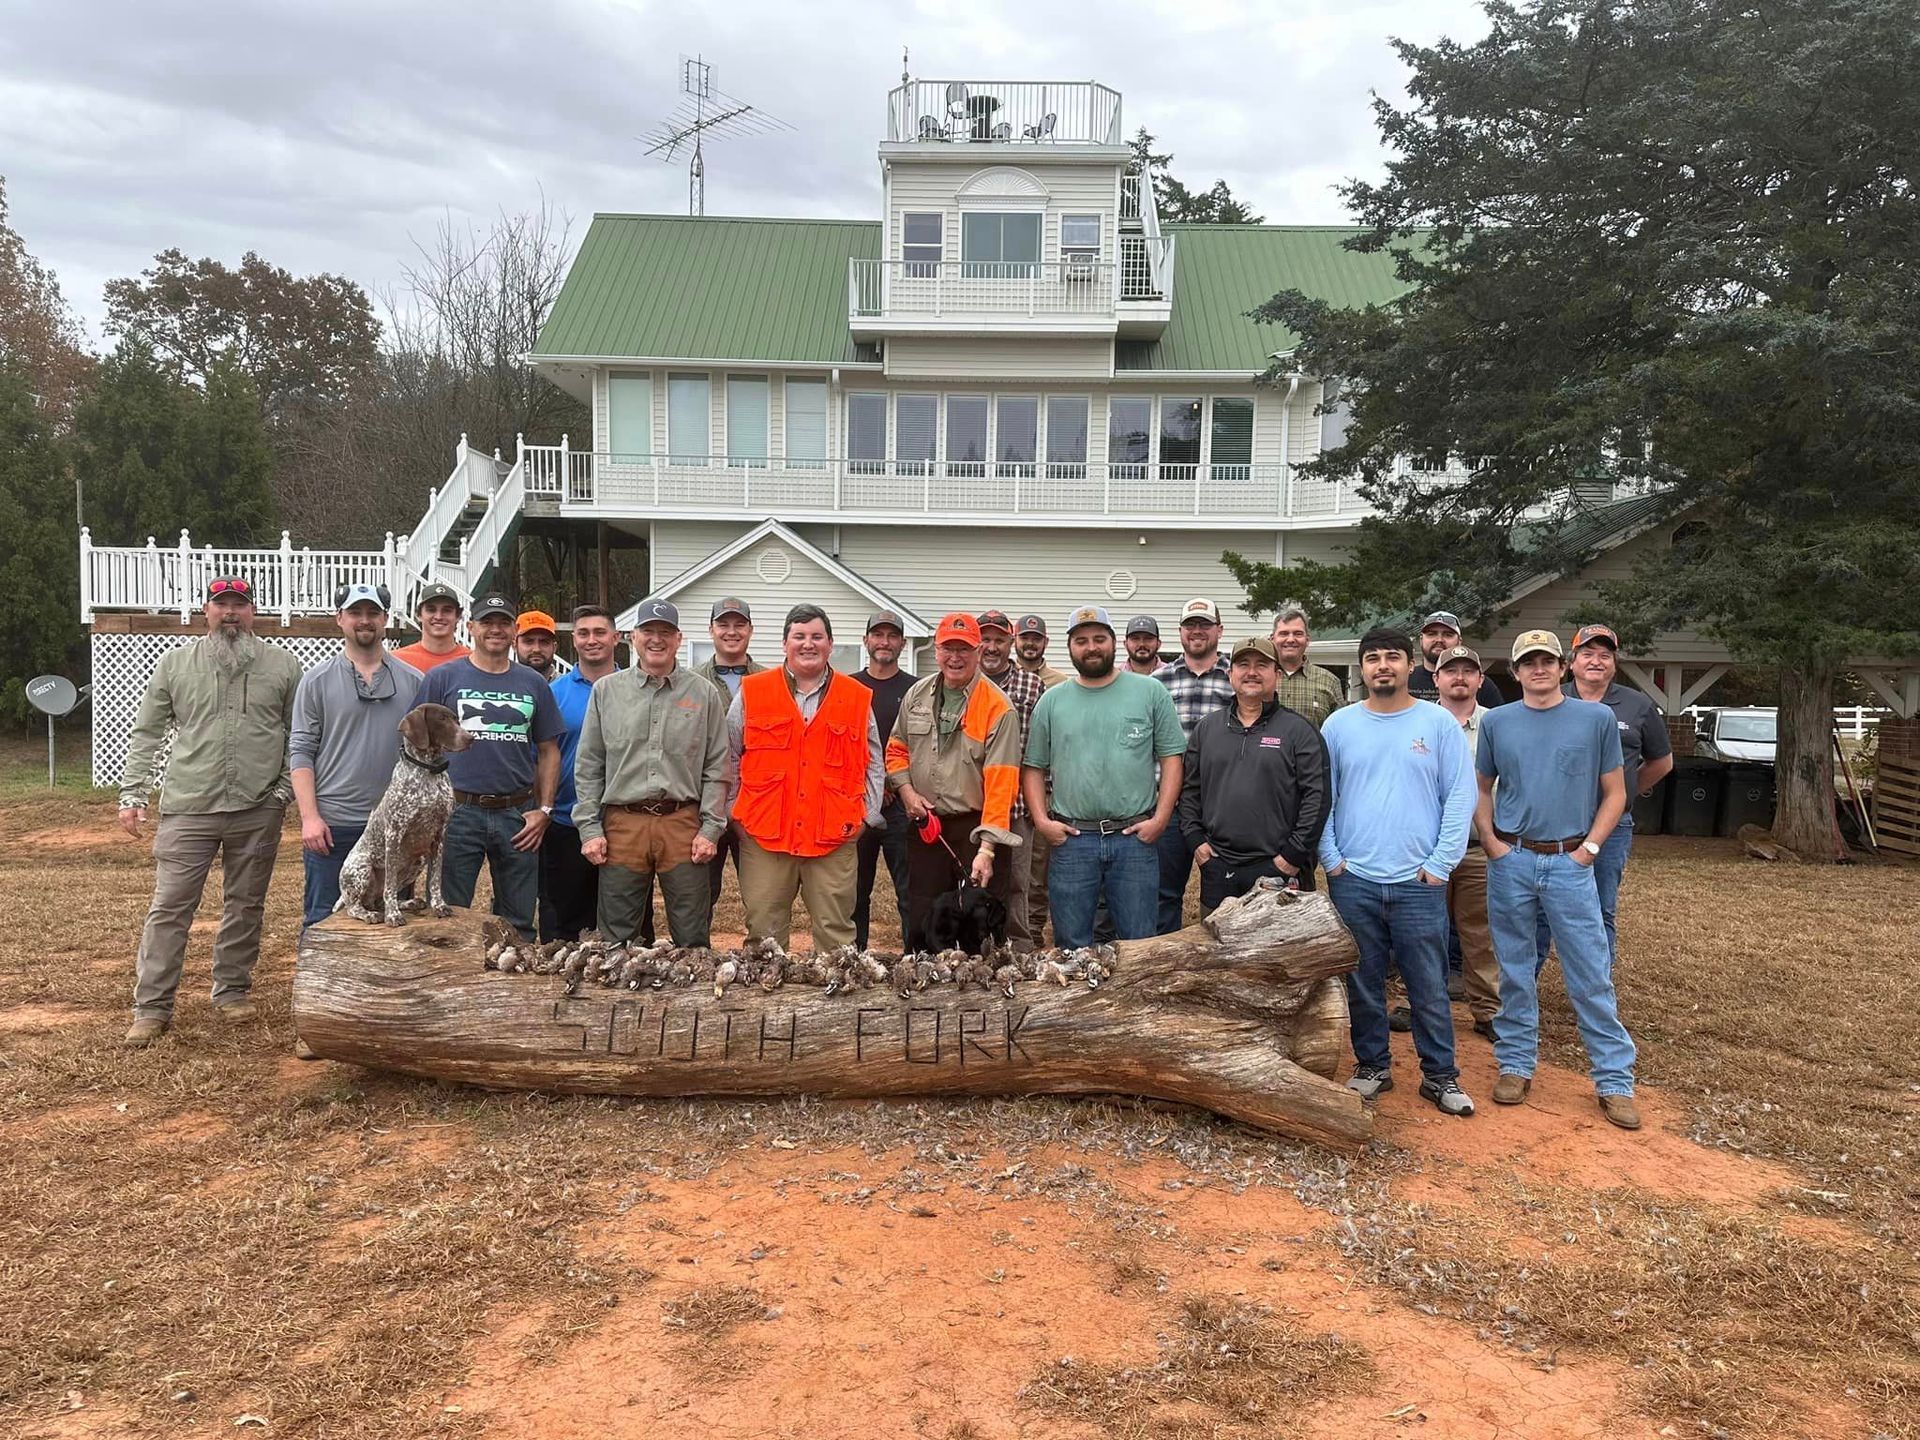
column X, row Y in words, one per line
column 122, row 666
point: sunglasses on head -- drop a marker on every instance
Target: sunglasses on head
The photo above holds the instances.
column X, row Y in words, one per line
column 243, row 589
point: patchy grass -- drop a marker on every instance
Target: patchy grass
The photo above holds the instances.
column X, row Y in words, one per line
column 1227, row 1369
column 714, row 1311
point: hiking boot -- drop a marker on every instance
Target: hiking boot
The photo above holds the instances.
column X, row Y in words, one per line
column 1369, row 1083
column 237, row 1011
column 1511, row 1089
column 1456, row 985
column 1400, row 1018
column 1483, row 1028
column 142, row 1033
column 302, row 1050
column 1447, row 1097
column 1620, row 1110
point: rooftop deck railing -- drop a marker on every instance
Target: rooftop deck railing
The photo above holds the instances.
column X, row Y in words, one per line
column 1010, row 112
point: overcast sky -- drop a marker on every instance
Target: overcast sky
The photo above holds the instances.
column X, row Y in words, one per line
column 331, row 136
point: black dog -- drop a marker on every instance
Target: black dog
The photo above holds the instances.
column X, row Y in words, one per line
column 965, row 920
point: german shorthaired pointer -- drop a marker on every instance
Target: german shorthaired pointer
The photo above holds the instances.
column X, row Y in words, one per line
column 408, row 828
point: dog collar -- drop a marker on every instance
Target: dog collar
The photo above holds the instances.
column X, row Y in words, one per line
column 433, row 766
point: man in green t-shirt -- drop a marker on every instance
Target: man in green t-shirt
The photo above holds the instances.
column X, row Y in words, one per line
column 1097, row 742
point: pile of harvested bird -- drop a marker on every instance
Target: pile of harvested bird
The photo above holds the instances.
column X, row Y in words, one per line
column 763, row 963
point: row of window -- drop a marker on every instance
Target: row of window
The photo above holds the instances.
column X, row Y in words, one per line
column 989, row 238
column 923, row 429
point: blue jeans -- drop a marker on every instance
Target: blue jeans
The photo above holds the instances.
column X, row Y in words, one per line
column 477, row 836
column 1405, row 922
column 888, row 839
column 1608, row 866
column 1523, row 890
column 323, row 873
column 1088, row 867
column 1176, row 864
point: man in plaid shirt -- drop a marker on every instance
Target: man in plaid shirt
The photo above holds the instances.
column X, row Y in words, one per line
column 1023, row 688
column 1199, row 682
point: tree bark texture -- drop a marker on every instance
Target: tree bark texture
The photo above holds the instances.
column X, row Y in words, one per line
column 1243, row 1014
column 1803, row 762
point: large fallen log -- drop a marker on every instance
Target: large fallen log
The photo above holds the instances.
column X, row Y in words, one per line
column 1243, row 1014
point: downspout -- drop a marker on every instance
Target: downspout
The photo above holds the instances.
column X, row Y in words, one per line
column 1286, row 446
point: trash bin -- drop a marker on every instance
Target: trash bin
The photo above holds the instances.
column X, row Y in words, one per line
column 1693, row 799
column 1650, row 811
column 1747, row 798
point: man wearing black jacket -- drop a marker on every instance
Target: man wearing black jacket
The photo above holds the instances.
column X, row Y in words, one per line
column 1254, row 796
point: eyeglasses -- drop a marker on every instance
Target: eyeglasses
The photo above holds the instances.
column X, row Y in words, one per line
column 243, row 589
column 382, row 688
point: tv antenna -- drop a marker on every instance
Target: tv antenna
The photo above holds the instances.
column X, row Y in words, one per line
column 705, row 109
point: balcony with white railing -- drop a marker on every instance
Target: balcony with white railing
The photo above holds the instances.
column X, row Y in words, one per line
column 1074, row 296
column 1031, row 115
column 172, row 579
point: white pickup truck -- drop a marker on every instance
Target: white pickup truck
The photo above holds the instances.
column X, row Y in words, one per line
column 1744, row 735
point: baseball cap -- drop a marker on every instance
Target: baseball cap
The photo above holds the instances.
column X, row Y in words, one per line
column 994, row 620
column 730, row 605
column 957, row 626
column 1031, row 625
column 1529, row 641
column 534, row 620
column 1458, row 652
column 657, row 612
column 1256, row 645
column 1089, row 615
column 886, row 617
column 350, row 595
column 494, row 604
column 437, row 591
column 1588, row 634
column 237, row 586
column 1443, row 617
column 1144, row 625
column 1200, row 608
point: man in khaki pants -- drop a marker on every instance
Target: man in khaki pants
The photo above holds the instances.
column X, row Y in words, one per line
column 1457, row 673
column 229, row 698
column 650, row 780
column 807, row 775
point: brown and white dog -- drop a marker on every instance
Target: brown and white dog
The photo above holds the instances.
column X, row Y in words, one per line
column 408, row 828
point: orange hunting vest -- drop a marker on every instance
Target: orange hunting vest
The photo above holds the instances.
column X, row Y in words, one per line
column 803, row 787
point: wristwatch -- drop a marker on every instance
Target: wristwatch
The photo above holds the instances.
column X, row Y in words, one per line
column 1591, row 848
column 547, row 810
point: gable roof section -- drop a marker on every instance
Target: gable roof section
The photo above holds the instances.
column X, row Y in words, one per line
column 710, row 288
column 1600, row 529
column 1223, row 271
column 878, row 599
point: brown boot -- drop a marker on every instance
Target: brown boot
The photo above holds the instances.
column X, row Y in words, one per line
column 238, row 1011
column 142, row 1033
column 1621, row 1111
column 1511, row 1089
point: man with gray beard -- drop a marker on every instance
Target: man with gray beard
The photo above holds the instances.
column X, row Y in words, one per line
column 228, row 697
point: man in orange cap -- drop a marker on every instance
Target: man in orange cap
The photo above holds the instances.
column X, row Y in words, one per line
column 955, row 754
column 534, row 641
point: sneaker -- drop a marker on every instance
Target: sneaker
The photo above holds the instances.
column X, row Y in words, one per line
column 302, row 1050
column 143, row 1033
column 1447, row 1096
column 236, row 1011
column 1511, row 1089
column 1400, row 1018
column 1621, row 1111
column 1483, row 1028
column 1369, row 1083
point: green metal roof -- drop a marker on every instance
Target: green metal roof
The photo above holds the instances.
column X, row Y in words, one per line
column 711, row 288
column 1223, row 271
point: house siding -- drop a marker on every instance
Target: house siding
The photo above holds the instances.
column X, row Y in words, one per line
column 1022, row 356
column 1071, row 190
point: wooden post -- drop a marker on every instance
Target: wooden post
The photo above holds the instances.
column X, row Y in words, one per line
column 602, row 584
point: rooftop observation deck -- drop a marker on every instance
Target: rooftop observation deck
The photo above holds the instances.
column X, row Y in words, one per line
column 1039, row 115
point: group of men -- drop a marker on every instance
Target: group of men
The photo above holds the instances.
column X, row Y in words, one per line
column 1080, row 799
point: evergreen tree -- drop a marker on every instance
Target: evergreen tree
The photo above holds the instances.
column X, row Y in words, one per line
column 39, row 568
column 1216, row 205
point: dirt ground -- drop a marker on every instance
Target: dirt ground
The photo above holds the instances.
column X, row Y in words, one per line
column 212, row 1238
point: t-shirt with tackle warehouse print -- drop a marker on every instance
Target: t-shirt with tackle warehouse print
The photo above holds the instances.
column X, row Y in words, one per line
column 506, row 716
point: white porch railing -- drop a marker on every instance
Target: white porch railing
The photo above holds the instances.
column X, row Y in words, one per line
column 1012, row 112
column 1146, row 267
column 162, row 579
column 481, row 549
column 980, row 290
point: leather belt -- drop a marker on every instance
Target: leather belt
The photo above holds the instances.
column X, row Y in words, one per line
column 493, row 802
column 1545, row 847
column 652, row 807
column 1102, row 827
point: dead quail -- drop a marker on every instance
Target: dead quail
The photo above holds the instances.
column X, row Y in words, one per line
column 576, row 968
column 870, row 971
column 1005, row 977
column 723, row 975
column 904, row 974
column 509, row 962
column 494, row 931
column 772, row 972
column 492, row 960
column 926, row 971
column 976, row 970
column 1055, row 971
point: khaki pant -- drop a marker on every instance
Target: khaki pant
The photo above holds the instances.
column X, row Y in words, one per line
column 640, row 847
column 769, row 879
column 1019, row 867
column 1467, row 908
column 247, row 842
column 1037, row 886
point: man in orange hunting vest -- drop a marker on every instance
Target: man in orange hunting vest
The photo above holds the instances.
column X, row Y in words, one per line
column 808, row 776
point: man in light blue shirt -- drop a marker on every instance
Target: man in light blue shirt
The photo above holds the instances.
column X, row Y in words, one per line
column 1401, row 776
column 1552, row 789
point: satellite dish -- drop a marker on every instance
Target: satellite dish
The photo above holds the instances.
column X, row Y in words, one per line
column 52, row 694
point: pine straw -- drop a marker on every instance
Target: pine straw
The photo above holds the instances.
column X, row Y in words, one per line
column 714, row 1311
column 1228, row 1369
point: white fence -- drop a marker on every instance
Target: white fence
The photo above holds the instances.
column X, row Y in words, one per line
column 286, row 582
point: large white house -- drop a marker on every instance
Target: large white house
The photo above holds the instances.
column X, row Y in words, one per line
column 1015, row 387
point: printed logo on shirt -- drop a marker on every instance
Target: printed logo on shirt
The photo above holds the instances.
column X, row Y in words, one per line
column 1420, row 746
column 1137, row 730
column 1271, row 742
column 496, row 715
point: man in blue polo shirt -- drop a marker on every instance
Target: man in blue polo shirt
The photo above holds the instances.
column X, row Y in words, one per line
column 569, row 883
